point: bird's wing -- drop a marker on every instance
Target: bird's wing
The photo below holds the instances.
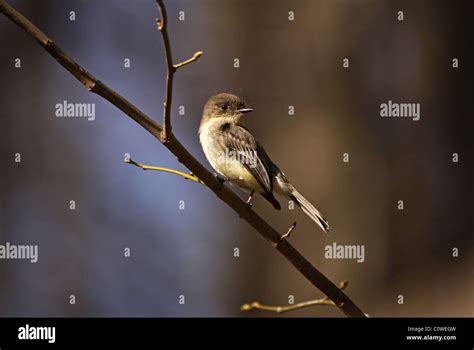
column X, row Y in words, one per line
column 242, row 141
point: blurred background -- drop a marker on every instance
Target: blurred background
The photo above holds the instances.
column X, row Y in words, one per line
column 283, row 63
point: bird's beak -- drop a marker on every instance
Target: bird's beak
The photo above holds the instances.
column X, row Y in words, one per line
column 245, row 110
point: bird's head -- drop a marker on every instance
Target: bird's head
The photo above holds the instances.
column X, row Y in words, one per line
column 226, row 106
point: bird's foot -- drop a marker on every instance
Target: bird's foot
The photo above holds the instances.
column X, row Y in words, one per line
column 223, row 180
column 249, row 200
column 220, row 181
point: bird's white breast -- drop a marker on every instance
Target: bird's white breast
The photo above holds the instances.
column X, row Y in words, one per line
column 231, row 169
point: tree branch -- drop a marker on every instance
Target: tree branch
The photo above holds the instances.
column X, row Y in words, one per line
column 161, row 24
column 280, row 309
column 167, row 170
column 188, row 61
column 320, row 281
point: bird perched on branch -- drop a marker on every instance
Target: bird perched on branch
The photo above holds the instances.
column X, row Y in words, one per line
column 235, row 154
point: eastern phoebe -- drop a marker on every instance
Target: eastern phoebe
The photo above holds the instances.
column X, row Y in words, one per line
column 237, row 155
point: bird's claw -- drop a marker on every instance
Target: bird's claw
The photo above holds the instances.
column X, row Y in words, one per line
column 249, row 200
column 220, row 180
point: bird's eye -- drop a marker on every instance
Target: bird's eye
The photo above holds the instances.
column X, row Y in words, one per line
column 224, row 107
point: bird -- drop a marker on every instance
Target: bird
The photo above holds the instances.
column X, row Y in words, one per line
column 237, row 156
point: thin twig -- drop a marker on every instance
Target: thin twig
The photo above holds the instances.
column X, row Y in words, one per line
column 162, row 24
column 188, row 61
column 280, row 309
column 319, row 280
column 167, row 170
column 288, row 233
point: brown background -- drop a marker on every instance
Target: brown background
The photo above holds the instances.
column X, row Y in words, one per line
column 282, row 63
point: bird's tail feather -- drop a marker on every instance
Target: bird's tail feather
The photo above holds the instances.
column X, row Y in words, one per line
column 309, row 209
